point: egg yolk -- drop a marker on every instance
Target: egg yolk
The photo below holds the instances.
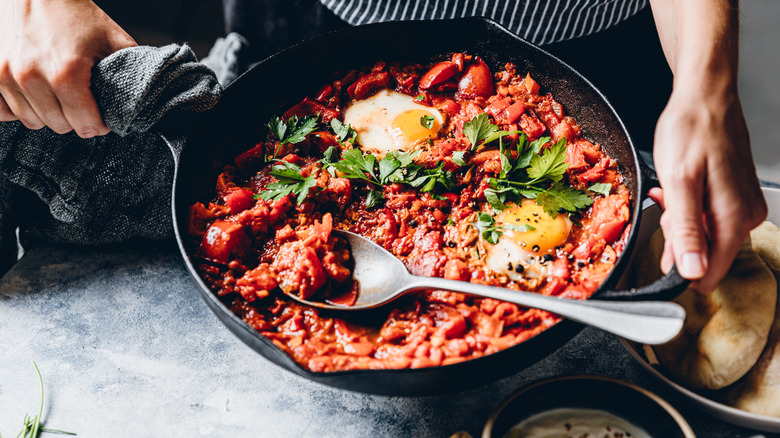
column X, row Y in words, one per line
column 409, row 125
column 547, row 233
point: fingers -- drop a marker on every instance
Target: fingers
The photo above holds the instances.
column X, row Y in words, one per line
column 63, row 101
column 683, row 226
column 6, row 115
column 77, row 103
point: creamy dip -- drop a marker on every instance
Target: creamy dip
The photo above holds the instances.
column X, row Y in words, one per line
column 575, row 423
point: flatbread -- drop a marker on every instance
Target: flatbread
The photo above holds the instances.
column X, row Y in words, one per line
column 759, row 390
column 725, row 331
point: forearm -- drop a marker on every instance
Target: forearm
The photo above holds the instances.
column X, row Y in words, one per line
column 700, row 39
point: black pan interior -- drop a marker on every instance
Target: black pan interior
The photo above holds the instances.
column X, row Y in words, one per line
column 284, row 79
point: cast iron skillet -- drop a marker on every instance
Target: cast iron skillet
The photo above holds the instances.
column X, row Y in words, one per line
column 284, row 79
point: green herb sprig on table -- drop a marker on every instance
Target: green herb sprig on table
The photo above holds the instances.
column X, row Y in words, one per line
column 32, row 425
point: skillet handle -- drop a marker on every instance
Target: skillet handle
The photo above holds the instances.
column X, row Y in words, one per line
column 665, row 288
column 649, row 177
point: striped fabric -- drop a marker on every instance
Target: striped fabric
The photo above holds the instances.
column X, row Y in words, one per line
column 538, row 21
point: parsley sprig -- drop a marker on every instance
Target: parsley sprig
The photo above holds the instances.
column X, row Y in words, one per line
column 395, row 167
column 344, row 133
column 293, row 130
column 486, row 224
column 537, row 176
column 289, row 180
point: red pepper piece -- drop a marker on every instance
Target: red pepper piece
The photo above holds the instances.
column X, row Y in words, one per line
column 252, row 157
column 531, row 85
column 368, row 84
column 477, row 81
column 224, row 239
column 450, row 107
column 239, row 200
column 324, row 93
column 495, row 108
column 308, row 107
column 438, row 74
column 458, row 60
column 512, row 113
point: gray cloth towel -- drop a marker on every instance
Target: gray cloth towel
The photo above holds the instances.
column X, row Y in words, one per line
column 108, row 189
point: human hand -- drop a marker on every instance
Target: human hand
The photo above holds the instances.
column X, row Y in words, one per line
column 47, row 51
column 710, row 192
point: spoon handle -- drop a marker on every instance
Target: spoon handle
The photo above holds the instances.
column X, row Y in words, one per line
column 646, row 322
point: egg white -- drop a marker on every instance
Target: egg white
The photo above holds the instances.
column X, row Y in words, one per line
column 373, row 120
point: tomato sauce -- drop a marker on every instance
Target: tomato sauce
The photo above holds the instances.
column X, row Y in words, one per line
column 250, row 249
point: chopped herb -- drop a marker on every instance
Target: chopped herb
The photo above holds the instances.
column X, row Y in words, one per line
column 288, row 181
column 559, row 197
column 294, row 130
column 450, row 221
column 427, row 121
column 551, row 164
column 374, row 198
column 458, row 157
column 478, row 128
column 601, row 188
column 419, row 98
column 343, row 132
column 491, row 232
column 331, row 155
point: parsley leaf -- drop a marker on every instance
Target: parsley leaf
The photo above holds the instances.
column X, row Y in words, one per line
column 601, row 188
column 331, row 155
column 433, row 177
column 288, row 181
column 559, row 197
column 343, row 132
column 294, row 130
column 551, row 164
column 458, row 157
column 478, row 128
column 355, row 165
column 374, row 198
column 486, row 224
column 427, row 121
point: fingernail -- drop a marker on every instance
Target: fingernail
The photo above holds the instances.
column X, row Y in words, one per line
column 692, row 265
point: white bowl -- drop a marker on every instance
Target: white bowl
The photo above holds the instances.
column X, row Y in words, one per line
column 716, row 409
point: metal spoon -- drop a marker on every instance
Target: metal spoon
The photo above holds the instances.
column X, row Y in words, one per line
column 383, row 278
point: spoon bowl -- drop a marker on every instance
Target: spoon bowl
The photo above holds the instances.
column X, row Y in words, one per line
column 382, row 278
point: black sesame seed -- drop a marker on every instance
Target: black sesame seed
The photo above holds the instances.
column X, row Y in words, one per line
column 548, row 258
column 519, row 268
column 413, row 224
column 580, row 264
column 509, row 266
column 535, row 248
column 452, row 244
column 570, row 257
column 536, row 214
